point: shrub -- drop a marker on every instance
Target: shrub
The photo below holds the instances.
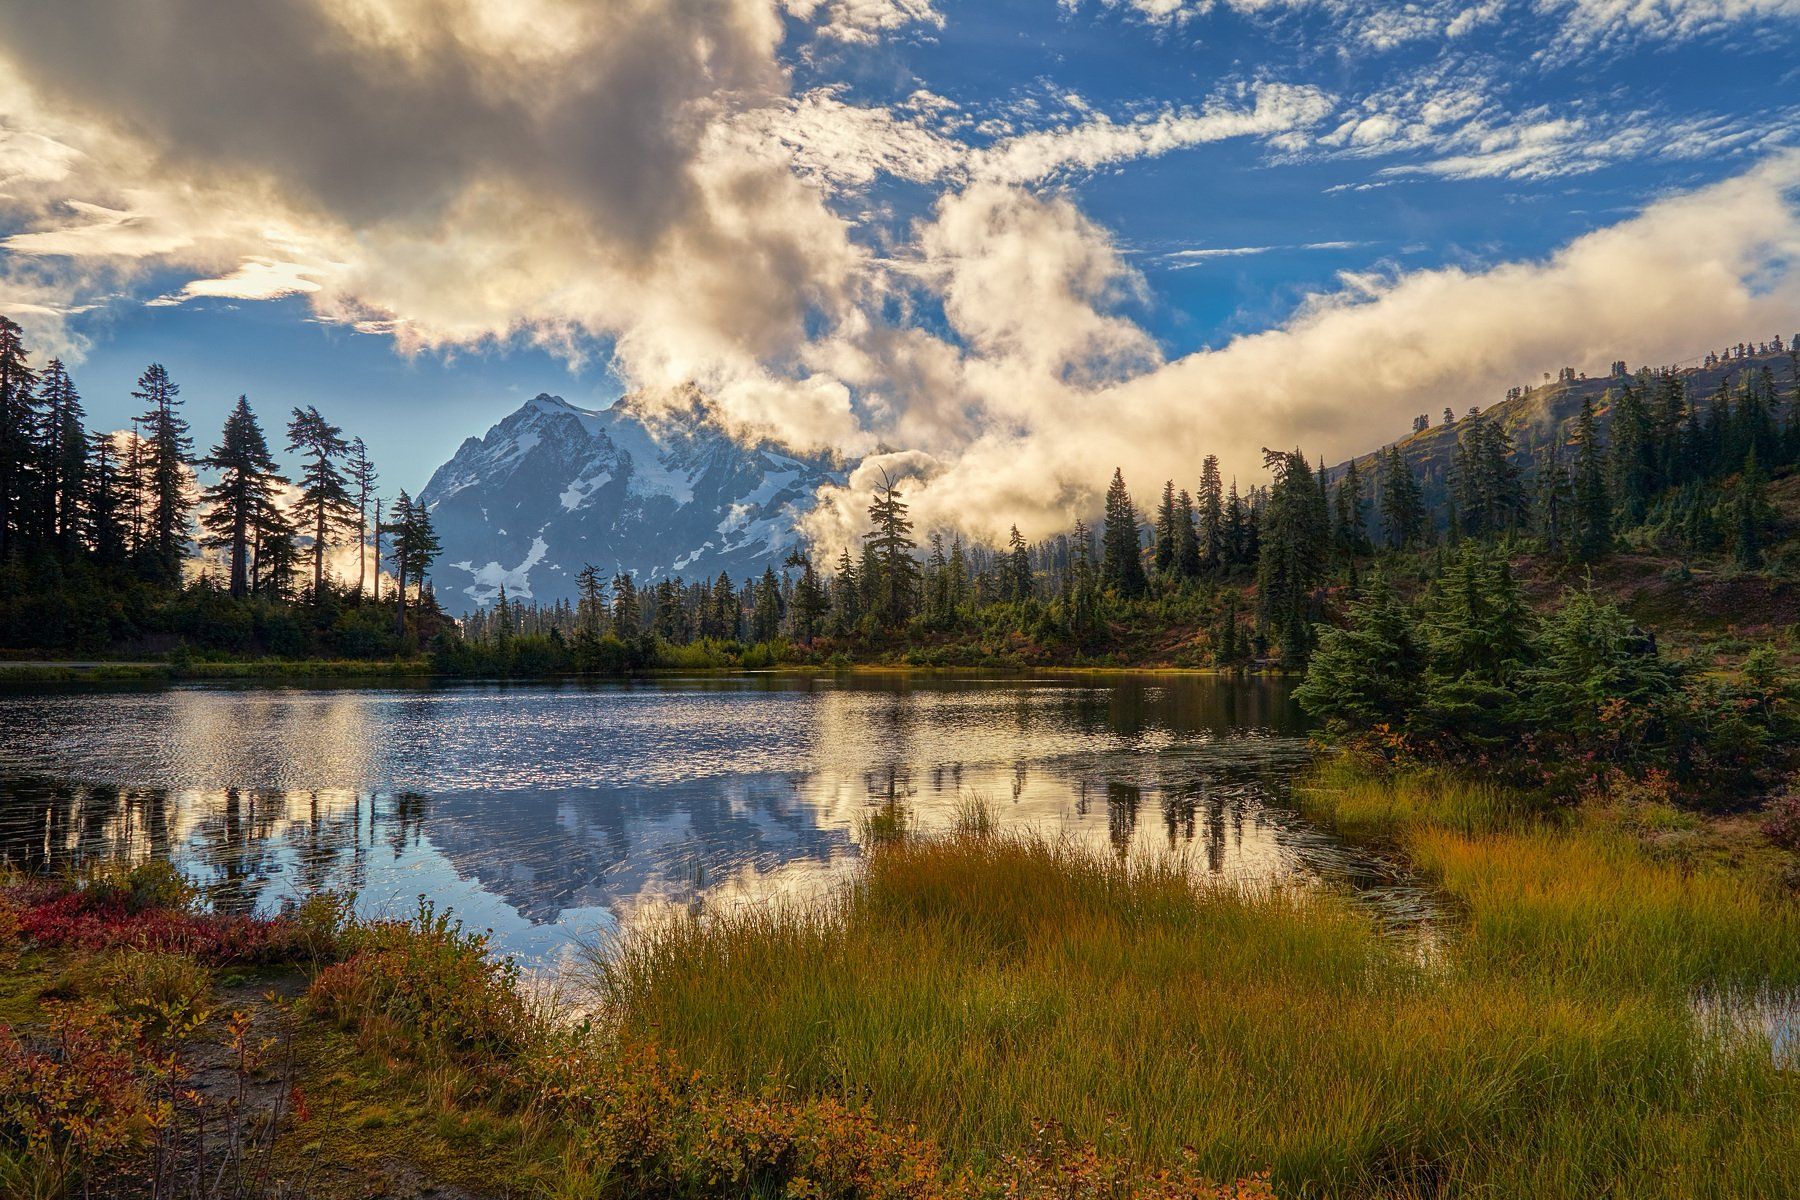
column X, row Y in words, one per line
column 69, row 1109
column 430, row 984
column 1781, row 824
column 166, row 996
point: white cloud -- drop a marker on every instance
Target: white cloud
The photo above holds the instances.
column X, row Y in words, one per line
column 1609, row 21
column 864, row 22
column 1353, row 366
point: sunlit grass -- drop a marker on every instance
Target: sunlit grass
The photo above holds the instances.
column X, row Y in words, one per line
column 976, row 983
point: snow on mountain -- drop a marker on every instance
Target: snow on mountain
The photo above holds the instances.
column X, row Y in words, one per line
column 553, row 487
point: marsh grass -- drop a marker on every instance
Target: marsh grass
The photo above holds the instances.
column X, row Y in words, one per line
column 978, row 983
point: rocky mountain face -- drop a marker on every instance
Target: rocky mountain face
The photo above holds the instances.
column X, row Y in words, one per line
column 554, row 487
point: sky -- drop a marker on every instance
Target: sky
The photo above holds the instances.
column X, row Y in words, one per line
column 997, row 248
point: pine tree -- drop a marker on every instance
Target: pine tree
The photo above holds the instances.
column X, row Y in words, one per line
column 247, row 483
column 765, row 618
column 1210, row 509
column 1751, row 514
column 416, row 546
column 846, row 596
column 1164, row 551
column 1402, row 502
column 362, row 479
column 64, row 458
column 1018, row 568
column 590, row 608
column 1187, row 538
column 103, row 510
column 1296, row 537
column 890, row 547
column 1366, row 673
column 1592, row 511
column 625, row 614
column 166, row 455
column 1633, row 456
column 325, row 506
column 1121, row 553
column 1351, row 532
column 1236, row 550
column 810, row 603
column 19, row 419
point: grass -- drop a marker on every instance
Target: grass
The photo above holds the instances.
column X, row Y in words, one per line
column 978, row 984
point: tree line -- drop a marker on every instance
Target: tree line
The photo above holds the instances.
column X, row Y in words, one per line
column 86, row 513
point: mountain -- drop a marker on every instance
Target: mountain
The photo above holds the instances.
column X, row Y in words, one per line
column 553, row 487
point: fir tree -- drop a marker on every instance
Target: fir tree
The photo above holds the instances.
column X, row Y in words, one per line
column 890, row 547
column 1210, row 509
column 247, row 483
column 18, row 437
column 1296, row 538
column 1018, row 568
column 1121, row 554
column 166, row 453
column 1187, row 538
column 1402, row 502
column 64, row 458
column 1164, row 551
column 361, row 482
column 1592, row 507
column 1751, row 514
column 325, row 506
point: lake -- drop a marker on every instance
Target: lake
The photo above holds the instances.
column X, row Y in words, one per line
column 557, row 813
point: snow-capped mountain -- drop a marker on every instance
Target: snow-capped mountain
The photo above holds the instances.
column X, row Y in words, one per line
column 553, row 487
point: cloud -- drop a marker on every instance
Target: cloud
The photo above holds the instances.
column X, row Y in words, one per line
column 864, row 22
column 1609, row 21
column 1352, row 367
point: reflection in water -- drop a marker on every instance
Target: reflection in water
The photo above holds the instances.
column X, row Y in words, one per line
column 552, row 812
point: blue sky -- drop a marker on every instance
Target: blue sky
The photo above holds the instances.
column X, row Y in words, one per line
column 1160, row 177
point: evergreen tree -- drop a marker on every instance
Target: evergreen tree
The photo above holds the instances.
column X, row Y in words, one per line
column 416, row 546
column 1592, row 512
column 1751, row 514
column 166, row 453
column 1351, row 532
column 1210, row 509
column 1187, row 538
column 625, row 605
column 1367, row 673
column 1402, row 502
column 361, row 481
column 846, row 596
column 325, row 506
column 810, row 602
column 19, row 419
column 246, row 484
column 765, row 618
column 1295, row 533
column 590, row 607
column 64, row 458
column 103, row 510
column 1018, row 568
column 1164, row 550
column 1121, row 554
column 1633, row 456
column 1237, row 549
column 890, row 547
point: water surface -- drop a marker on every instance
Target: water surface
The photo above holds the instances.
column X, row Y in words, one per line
column 549, row 813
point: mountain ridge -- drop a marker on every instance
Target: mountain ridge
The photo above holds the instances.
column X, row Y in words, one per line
column 553, row 486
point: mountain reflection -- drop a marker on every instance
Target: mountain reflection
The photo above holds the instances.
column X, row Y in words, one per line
column 551, row 813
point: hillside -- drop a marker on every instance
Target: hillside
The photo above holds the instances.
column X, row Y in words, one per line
column 1542, row 417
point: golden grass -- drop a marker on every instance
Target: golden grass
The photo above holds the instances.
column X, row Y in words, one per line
column 977, row 983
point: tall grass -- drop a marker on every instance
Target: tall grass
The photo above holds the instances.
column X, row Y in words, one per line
column 977, row 983
column 1563, row 895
